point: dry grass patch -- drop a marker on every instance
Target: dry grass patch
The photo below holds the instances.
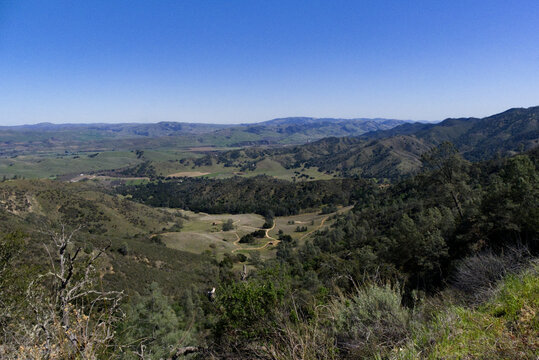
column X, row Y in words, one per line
column 189, row 174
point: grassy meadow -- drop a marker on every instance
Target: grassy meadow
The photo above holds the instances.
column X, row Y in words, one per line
column 50, row 165
column 203, row 232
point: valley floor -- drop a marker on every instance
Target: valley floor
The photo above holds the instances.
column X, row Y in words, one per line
column 203, row 232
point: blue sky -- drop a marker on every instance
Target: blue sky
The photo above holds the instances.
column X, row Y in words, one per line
column 245, row 61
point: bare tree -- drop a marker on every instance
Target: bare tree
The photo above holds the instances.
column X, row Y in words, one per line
column 72, row 317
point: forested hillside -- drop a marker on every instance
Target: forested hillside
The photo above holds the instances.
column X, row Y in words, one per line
column 393, row 245
column 396, row 153
column 134, row 258
column 260, row 194
column 442, row 264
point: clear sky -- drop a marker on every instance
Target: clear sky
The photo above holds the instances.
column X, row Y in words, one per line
column 232, row 61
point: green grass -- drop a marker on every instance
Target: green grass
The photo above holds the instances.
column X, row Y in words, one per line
column 168, row 155
column 506, row 327
column 516, row 294
column 282, row 223
column 202, row 232
column 136, row 182
column 47, row 165
column 30, row 205
column 165, row 161
column 197, row 242
column 273, row 168
column 265, row 167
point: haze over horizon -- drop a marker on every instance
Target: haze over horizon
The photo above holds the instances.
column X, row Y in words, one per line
column 251, row 61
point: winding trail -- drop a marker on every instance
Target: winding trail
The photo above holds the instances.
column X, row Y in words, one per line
column 274, row 242
column 317, row 228
column 237, row 240
column 271, row 241
column 268, row 230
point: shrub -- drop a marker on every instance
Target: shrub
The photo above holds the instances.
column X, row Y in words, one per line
column 254, row 258
column 177, row 227
column 328, row 209
column 301, row 337
column 246, row 313
column 157, row 239
column 478, row 275
column 152, row 327
column 228, row 225
column 247, row 239
column 371, row 322
column 123, row 249
column 259, row 233
column 241, row 258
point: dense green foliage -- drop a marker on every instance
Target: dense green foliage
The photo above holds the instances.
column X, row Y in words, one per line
column 417, row 229
column 155, row 326
column 419, row 233
column 259, row 194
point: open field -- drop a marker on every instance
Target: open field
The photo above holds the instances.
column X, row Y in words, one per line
column 51, row 164
column 54, row 164
column 167, row 162
column 188, row 174
column 203, row 232
column 275, row 169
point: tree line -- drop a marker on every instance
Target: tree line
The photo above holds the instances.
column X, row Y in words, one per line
column 260, row 194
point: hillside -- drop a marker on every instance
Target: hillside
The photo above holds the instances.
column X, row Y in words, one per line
column 396, row 152
column 406, row 270
column 297, row 130
column 133, row 260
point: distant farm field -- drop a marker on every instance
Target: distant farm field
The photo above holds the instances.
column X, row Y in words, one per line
column 55, row 164
column 188, row 174
column 180, row 162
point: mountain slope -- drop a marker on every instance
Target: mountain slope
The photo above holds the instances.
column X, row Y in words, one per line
column 299, row 130
column 396, row 152
column 134, row 258
column 512, row 130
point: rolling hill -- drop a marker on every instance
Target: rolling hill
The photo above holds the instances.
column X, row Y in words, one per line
column 134, row 258
column 396, row 152
column 103, row 137
column 510, row 131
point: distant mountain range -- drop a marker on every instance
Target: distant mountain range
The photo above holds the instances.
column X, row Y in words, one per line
column 175, row 134
column 396, row 152
column 510, row 131
column 312, row 121
column 379, row 148
column 299, row 130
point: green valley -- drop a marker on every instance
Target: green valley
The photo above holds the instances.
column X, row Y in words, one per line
column 419, row 241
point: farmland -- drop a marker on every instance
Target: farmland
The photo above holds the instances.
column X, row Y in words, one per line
column 177, row 162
